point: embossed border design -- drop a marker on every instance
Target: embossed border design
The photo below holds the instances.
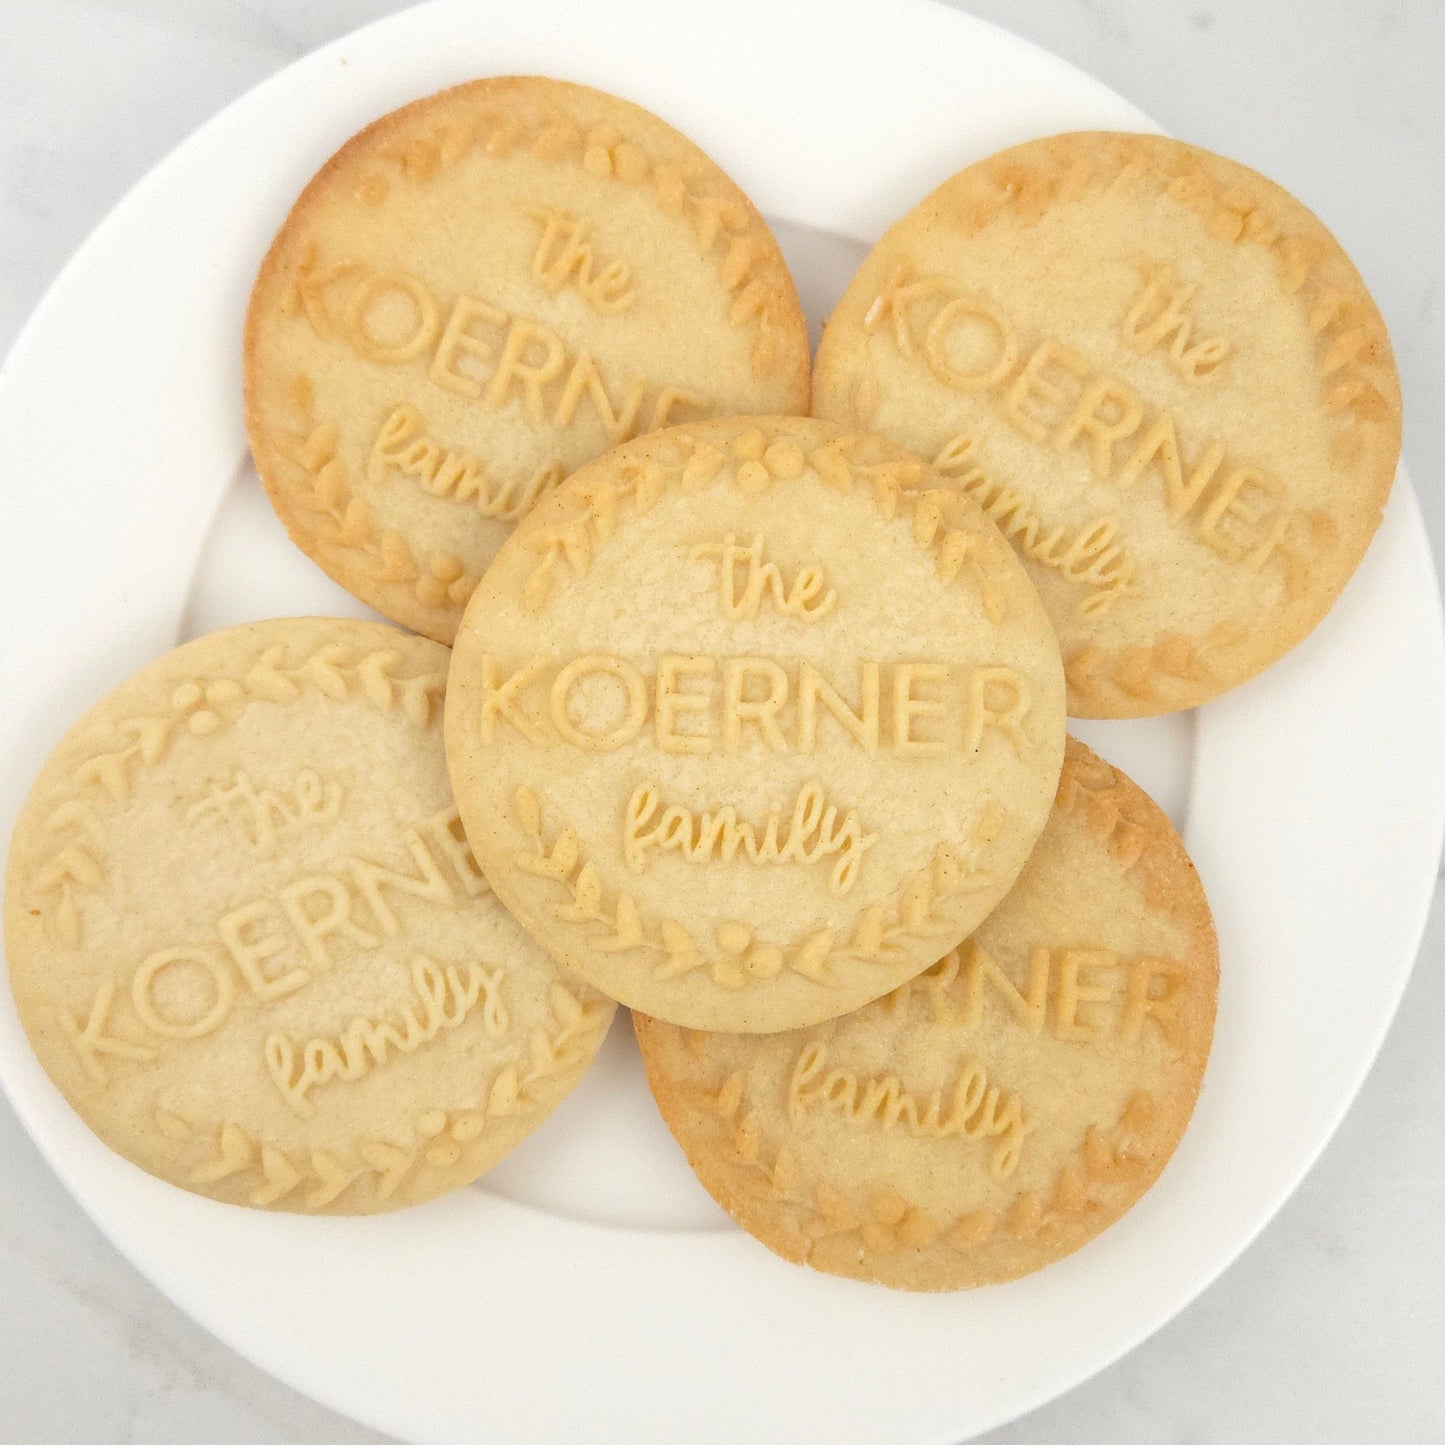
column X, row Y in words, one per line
column 887, row 1221
column 756, row 465
column 442, row 1136
column 727, row 228
column 566, row 550
column 881, row 932
column 203, row 708
column 1239, row 207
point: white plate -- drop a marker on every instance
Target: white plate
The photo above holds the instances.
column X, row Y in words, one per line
column 589, row 1291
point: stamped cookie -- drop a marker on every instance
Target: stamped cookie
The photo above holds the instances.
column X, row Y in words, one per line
column 251, row 947
column 752, row 720
column 1162, row 378
column 997, row 1112
column 477, row 294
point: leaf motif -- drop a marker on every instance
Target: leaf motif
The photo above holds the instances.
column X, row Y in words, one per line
column 786, row 1173
column 913, row 910
column 682, row 954
column 544, row 1057
column 730, row 1095
column 868, row 936
column 538, row 584
column 587, row 891
column 321, row 667
column 70, row 862
column 564, row 853
column 266, row 680
column 332, row 1177
column 627, row 931
column 280, row 1177
column 391, row 1163
column 236, row 1153
column 375, row 683
column 108, row 770
column 152, row 733
column 416, row 699
column 173, row 1126
column 811, row 960
column 503, row 1096
column 567, row 1009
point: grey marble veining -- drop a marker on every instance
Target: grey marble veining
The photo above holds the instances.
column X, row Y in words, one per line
column 1328, row 1329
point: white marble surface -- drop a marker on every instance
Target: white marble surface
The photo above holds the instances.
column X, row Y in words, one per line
column 1329, row 1328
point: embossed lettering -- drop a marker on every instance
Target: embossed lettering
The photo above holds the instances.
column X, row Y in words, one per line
column 500, row 698
column 564, row 255
column 458, row 341
column 91, row 1040
column 1056, row 398
column 530, row 365
column 672, row 701
column 952, row 317
column 1091, row 555
column 706, row 705
column 862, row 724
column 250, row 953
column 1079, row 995
column 814, row 831
column 620, row 423
column 260, row 814
column 998, row 697
column 973, row 1109
column 1158, row 314
column 907, row 707
column 429, row 882
column 808, row 597
column 334, row 917
column 402, row 444
column 444, row 996
column 599, row 665
column 373, row 289
column 761, row 712
column 204, row 1020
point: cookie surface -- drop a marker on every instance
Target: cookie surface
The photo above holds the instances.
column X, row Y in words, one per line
column 750, row 721
column 477, row 294
column 248, row 942
column 1000, row 1110
column 1163, row 379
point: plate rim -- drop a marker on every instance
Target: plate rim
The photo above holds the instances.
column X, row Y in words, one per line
column 1404, row 498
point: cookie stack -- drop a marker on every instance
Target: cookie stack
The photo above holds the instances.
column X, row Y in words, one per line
column 752, row 722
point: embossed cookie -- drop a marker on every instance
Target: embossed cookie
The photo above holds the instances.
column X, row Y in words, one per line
column 997, row 1112
column 1161, row 377
column 752, row 720
column 251, row 947
column 477, row 294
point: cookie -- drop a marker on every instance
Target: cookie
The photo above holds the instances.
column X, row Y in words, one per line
column 751, row 721
column 1000, row 1110
column 479, row 293
column 1163, row 379
column 248, row 942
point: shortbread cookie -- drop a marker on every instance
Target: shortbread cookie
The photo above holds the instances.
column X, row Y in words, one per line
column 477, row 294
column 250, row 946
column 1161, row 377
column 997, row 1112
column 752, row 720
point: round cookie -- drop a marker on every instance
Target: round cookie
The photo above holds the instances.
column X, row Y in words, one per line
column 997, row 1112
column 751, row 720
column 250, row 946
column 477, row 294
column 1163, row 379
